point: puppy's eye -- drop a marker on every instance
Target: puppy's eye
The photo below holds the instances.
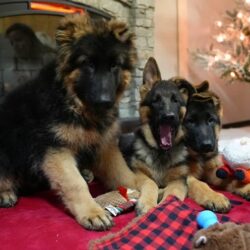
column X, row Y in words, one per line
column 190, row 121
column 174, row 98
column 211, row 120
column 156, row 98
column 114, row 67
column 90, row 66
column 81, row 59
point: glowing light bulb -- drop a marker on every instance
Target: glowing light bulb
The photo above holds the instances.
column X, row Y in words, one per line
column 210, row 64
column 227, row 57
column 232, row 74
column 220, row 38
column 219, row 23
column 240, row 15
column 216, row 58
column 242, row 36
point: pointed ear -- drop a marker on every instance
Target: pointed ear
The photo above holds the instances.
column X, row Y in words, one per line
column 151, row 73
column 185, row 87
column 217, row 104
column 72, row 27
column 209, row 96
column 121, row 31
column 202, row 87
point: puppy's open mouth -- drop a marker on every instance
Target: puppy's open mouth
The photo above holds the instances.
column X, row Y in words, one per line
column 166, row 136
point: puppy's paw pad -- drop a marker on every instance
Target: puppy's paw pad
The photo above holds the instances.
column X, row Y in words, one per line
column 7, row 198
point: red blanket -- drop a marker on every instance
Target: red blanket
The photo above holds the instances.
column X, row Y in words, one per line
column 170, row 225
column 41, row 222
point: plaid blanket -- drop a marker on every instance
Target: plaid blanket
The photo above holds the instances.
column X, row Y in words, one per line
column 169, row 226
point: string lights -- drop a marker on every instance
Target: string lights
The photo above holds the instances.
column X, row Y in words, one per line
column 229, row 54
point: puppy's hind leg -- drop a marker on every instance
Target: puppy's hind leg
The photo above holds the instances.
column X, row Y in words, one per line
column 8, row 197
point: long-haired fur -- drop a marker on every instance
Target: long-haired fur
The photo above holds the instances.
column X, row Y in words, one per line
column 65, row 119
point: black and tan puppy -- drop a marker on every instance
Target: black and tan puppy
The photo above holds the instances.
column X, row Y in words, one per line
column 65, row 120
column 158, row 149
column 202, row 125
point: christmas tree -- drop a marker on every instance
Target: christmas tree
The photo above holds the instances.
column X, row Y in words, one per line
column 229, row 55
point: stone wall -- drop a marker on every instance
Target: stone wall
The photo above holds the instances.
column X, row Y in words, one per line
column 139, row 14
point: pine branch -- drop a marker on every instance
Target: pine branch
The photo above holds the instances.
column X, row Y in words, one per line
column 229, row 56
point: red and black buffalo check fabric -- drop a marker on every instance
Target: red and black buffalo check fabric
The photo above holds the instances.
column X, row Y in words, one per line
column 170, row 226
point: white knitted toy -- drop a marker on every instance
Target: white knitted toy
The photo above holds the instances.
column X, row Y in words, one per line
column 236, row 156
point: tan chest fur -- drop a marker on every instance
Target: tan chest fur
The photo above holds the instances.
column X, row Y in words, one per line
column 76, row 137
column 205, row 170
column 145, row 160
column 164, row 177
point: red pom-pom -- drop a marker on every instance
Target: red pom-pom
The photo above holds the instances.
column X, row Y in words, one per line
column 123, row 192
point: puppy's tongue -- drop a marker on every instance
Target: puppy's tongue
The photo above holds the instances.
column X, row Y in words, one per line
column 166, row 136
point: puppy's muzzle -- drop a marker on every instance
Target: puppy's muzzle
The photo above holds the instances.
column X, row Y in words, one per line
column 207, row 146
column 104, row 100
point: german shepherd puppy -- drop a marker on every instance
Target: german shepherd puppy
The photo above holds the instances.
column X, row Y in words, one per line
column 202, row 125
column 65, row 120
column 158, row 148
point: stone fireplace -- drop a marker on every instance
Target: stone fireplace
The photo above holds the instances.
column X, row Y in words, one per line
column 19, row 21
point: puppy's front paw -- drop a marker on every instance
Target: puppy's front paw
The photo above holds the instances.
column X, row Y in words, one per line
column 217, row 203
column 178, row 190
column 95, row 218
column 7, row 198
column 145, row 204
column 243, row 191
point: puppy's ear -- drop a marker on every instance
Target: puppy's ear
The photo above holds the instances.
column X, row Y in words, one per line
column 209, row 96
column 151, row 75
column 185, row 87
column 65, row 31
column 123, row 34
column 121, row 31
column 217, row 104
column 202, row 87
column 72, row 27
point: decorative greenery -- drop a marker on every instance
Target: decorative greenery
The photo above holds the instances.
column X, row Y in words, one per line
column 229, row 55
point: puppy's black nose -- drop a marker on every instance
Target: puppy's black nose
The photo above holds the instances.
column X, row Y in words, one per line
column 169, row 117
column 104, row 101
column 207, row 146
column 104, row 104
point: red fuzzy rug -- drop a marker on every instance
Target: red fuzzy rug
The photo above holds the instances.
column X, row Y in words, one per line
column 41, row 222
